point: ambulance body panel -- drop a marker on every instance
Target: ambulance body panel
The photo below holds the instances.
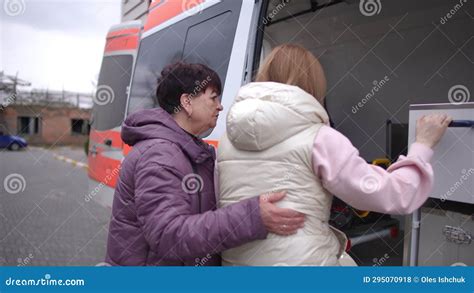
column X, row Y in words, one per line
column 105, row 144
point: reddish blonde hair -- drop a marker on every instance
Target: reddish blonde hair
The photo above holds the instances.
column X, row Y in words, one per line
column 294, row 65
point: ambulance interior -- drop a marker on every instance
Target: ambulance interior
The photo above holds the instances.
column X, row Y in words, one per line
column 411, row 45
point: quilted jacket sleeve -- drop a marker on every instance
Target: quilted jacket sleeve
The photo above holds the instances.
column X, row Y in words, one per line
column 170, row 228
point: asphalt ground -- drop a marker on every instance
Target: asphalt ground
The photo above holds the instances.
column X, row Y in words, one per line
column 44, row 219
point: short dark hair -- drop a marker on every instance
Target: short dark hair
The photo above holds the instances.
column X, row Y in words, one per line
column 184, row 78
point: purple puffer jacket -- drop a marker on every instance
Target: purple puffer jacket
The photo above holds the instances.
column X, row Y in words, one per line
column 163, row 213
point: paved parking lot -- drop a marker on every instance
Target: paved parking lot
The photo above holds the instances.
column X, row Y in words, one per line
column 44, row 218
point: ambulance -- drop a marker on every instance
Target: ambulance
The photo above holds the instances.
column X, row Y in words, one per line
column 106, row 149
column 380, row 57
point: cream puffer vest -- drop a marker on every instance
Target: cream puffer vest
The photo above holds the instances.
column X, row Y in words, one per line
column 271, row 128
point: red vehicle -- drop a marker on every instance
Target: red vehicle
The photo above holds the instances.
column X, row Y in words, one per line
column 106, row 149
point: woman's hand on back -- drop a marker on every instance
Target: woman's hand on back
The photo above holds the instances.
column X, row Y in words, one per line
column 277, row 220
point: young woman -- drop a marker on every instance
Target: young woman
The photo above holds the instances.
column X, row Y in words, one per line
column 279, row 133
column 164, row 210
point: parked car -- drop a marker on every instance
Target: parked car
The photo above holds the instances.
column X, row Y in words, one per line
column 12, row 142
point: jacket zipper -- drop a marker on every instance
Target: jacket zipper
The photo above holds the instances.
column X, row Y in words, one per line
column 199, row 190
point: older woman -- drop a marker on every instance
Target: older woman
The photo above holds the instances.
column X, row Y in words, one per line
column 164, row 210
column 279, row 133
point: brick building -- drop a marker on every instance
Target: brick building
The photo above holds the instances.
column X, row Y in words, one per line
column 46, row 124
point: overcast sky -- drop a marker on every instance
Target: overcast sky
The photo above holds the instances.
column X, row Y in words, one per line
column 55, row 43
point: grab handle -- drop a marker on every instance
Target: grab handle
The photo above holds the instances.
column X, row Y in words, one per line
column 461, row 123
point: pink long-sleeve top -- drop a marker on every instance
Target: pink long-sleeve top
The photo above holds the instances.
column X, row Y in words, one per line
column 400, row 189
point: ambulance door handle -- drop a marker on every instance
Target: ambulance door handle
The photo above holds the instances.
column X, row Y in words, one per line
column 108, row 142
column 457, row 235
column 461, row 123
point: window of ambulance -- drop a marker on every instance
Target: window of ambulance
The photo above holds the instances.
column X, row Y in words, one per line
column 111, row 95
column 206, row 37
